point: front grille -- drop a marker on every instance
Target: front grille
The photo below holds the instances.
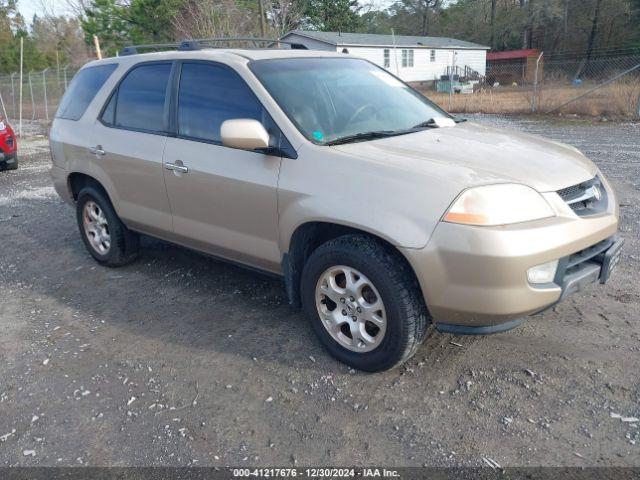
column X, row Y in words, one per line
column 10, row 142
column 586, row 198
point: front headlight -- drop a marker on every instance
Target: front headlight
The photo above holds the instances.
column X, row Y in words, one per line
column 500, row 204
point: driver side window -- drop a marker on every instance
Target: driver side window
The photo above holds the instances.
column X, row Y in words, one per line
column 210, row 94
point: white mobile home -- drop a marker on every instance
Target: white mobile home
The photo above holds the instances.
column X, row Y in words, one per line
column 413, row 59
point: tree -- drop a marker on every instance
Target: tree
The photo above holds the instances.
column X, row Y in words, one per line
column 334, row 15
column 12, row 29
column 121, row 22
column 60, row 40
column 215, row 18
column 284, row 15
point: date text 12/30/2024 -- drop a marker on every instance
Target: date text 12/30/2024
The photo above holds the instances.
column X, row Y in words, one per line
column 315, row 472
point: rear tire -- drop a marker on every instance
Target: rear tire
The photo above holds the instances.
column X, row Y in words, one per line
column 14, row 165
column 384, row 276
column 107, row 239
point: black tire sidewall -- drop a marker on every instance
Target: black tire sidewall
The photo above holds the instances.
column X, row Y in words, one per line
column 13, row 166
column 394, row 344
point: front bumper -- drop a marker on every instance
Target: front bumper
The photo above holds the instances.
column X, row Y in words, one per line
column 474, row 279
column 7, row 159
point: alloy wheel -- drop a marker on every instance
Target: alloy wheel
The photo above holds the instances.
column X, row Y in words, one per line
column 96, row 227
column 351, row 308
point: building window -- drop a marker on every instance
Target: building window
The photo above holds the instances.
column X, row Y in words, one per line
column 407, row 58
column 432, row 57
column 387, row 58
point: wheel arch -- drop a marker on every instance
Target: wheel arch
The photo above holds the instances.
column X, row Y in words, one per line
column 310, row 235
column 76, row 181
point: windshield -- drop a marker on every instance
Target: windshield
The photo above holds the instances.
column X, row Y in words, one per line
column 338, row 98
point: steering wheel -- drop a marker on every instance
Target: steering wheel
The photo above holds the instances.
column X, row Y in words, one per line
column 359, row 112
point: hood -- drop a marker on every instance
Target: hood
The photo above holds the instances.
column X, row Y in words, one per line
column 472, row 154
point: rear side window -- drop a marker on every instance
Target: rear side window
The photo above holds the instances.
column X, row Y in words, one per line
column 82, row 91
column 209, row 95
column 139, row 102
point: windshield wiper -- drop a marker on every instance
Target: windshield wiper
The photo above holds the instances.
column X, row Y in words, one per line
column 431, row 123
column 363, row 136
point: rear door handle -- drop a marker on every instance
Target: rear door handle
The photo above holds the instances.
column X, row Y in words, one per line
column 176, row 168
column 97, row 150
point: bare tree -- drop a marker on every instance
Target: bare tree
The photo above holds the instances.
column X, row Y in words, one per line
column 213, row 18
column 283, row 15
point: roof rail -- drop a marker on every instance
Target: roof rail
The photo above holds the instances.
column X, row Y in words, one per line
column 135, row 49
column 199, row 44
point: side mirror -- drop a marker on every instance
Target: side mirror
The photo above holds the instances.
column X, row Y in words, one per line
column 244, row 134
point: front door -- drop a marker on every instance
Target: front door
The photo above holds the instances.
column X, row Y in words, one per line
column 223, row 200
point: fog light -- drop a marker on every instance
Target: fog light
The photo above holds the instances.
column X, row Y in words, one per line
column 544, row 273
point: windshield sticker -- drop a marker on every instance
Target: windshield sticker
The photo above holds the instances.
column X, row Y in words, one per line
column 318, row 135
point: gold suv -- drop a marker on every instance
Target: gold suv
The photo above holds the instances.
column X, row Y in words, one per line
column 382, row 212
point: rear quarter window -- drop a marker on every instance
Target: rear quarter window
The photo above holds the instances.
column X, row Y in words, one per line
column 82, row 91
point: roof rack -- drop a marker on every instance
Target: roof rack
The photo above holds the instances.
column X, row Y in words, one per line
column 199, row 44
column 134, row 49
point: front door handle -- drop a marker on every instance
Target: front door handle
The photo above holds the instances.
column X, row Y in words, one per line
column 176, row 168
column 97, row 150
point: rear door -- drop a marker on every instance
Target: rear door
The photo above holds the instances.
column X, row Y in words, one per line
column 70, row 133
column 128, row 143
column 224, row 201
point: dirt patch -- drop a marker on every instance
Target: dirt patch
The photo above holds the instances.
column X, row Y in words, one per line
column 182, row 360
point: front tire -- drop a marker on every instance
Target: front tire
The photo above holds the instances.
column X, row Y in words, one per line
column 364, row 303
column 107, row 239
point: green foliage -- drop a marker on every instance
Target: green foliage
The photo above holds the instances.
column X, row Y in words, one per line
column 12, row 28
column 118, row 23
column 549, row 25
column 334, row 15
column 59, row 40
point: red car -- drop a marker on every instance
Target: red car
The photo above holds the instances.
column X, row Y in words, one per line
column 8, row 147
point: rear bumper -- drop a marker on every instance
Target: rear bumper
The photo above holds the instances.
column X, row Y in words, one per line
column 474, row 279
column 60, row 183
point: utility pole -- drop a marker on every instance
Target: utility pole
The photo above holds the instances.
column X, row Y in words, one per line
column 96, row 44
column 262, row 25
column 21, row 67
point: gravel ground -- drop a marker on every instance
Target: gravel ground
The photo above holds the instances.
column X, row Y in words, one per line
column 179, row 359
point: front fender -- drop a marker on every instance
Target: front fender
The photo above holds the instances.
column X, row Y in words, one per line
column 323, row 184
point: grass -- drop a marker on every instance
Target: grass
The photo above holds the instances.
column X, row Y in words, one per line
column 620, row 99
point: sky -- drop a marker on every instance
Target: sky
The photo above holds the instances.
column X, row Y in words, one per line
column 30, row 7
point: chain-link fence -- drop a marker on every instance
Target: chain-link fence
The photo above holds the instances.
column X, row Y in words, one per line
column 568, row 84
column 41, row 93
column 598, row 86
